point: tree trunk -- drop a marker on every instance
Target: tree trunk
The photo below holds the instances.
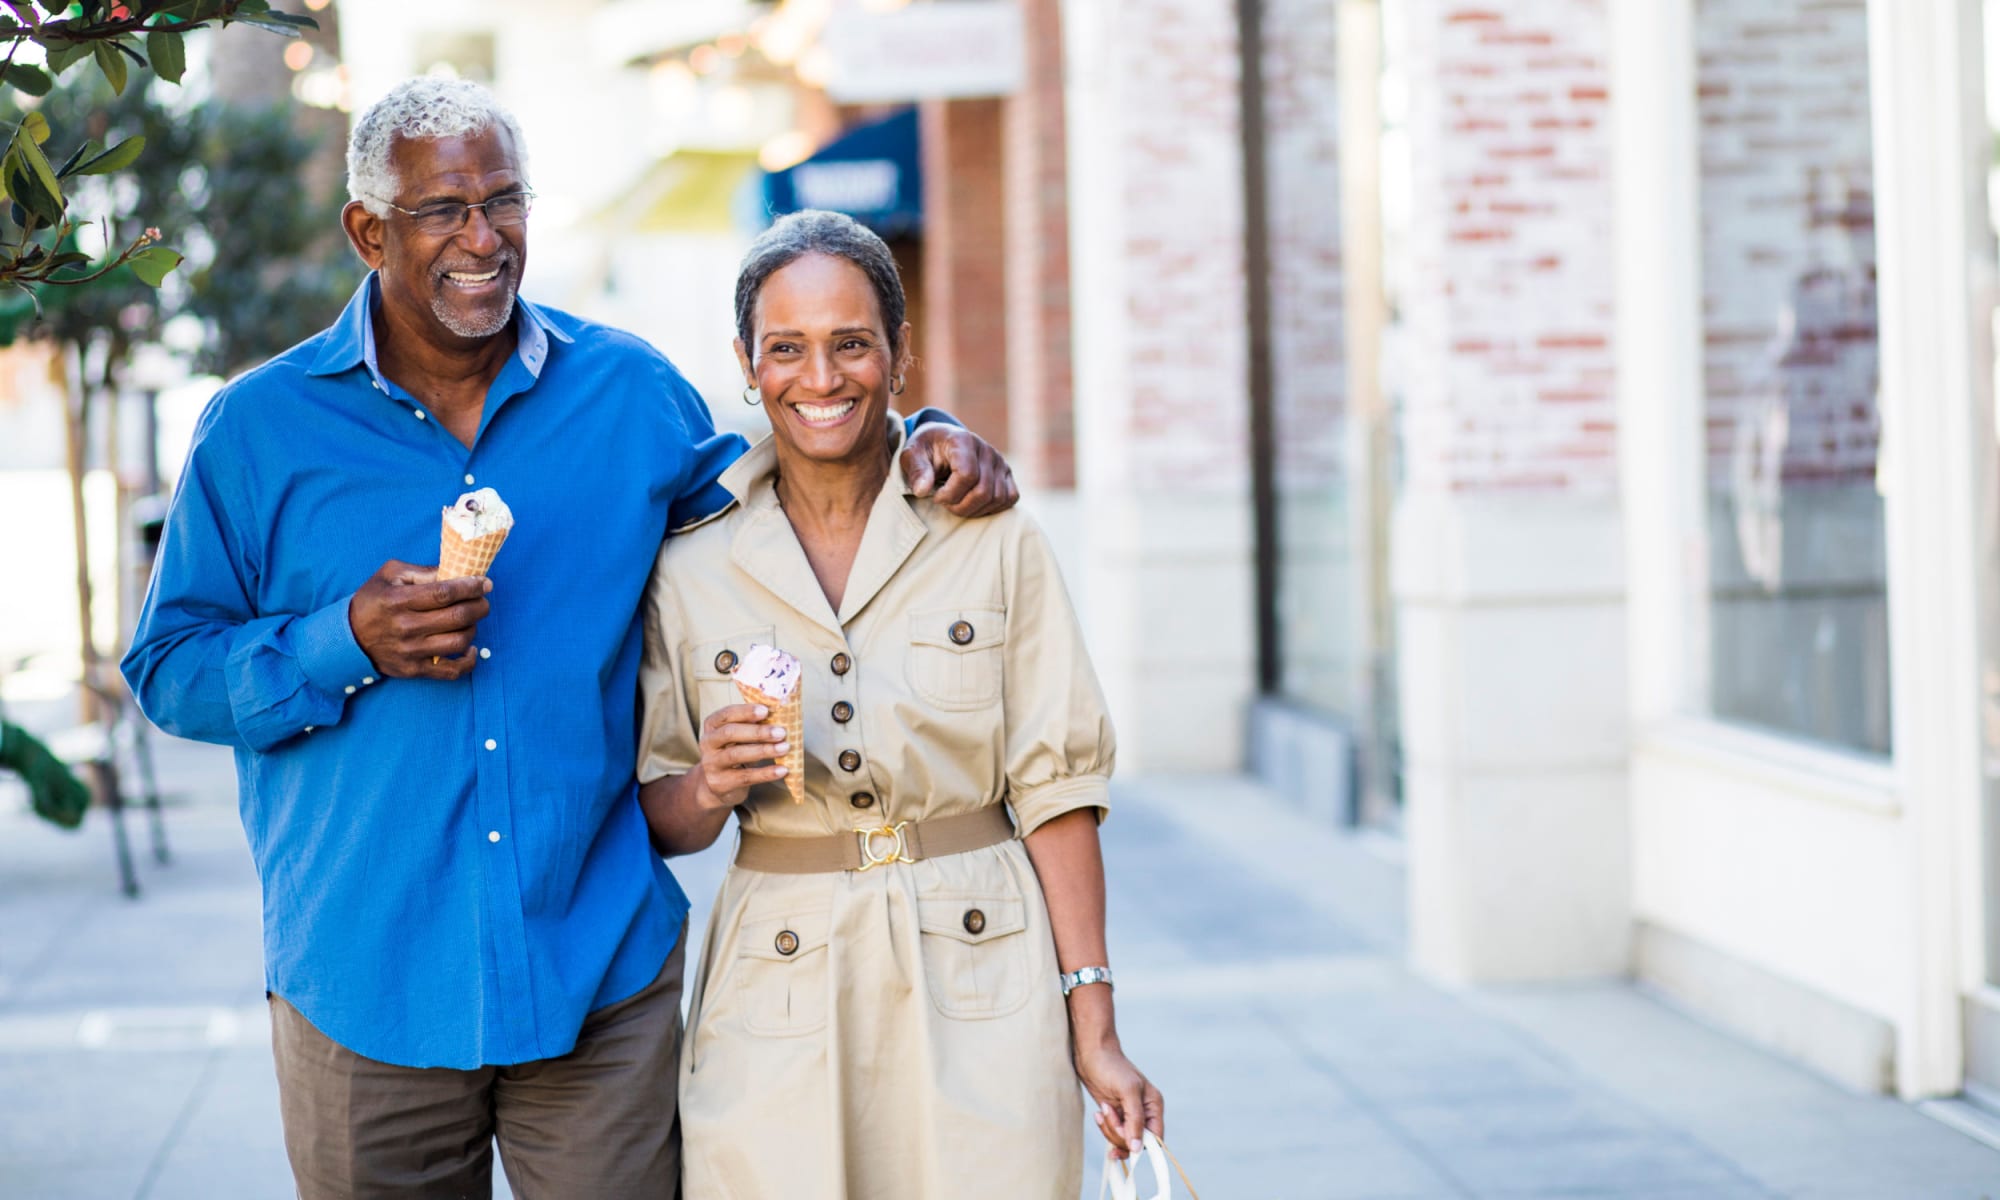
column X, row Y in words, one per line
column 76, row 429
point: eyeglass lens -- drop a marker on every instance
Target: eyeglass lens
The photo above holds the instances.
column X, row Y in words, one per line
column 511, row 209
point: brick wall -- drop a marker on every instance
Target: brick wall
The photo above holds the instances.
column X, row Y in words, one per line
column 963, row 352
column 1175, row 67
column 1788, row 245
column 1302, row 202
column 1040, row 427
column 1503, row 355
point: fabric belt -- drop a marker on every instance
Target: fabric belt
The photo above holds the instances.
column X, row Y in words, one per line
column 864, row 849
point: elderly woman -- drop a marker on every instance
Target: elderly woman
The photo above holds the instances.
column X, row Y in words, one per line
column 905, row 975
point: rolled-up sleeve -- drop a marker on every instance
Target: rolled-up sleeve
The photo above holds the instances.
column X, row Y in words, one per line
column 204, row 664
column 1059, row 743
column 669, row 744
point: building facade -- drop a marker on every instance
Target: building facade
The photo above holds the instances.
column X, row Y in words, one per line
column 1562, row 431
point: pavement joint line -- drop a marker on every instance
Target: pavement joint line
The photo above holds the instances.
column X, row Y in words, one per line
column 1364, row 1103
column 1585, row 1082
column 182, row 1119
column 134, row 1030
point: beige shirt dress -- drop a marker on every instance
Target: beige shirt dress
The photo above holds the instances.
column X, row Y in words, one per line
column 896, row 1032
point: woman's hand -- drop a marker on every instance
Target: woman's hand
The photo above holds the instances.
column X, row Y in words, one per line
column 736, row 754
column 1127, row 1102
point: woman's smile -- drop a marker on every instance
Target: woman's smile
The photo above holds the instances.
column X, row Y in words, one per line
column 825, row 415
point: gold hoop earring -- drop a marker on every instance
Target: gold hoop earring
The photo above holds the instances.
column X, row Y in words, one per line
column 896, row 386
column 752, row 396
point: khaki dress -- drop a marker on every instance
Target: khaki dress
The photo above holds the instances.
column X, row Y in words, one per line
column 863, row 1034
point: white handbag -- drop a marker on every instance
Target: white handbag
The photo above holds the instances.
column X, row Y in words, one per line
column 1121, row 1182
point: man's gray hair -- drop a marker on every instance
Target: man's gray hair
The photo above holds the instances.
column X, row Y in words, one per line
column 816, row 231
column 424, row 107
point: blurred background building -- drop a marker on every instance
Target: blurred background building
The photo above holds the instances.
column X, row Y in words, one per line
column 1556, row 437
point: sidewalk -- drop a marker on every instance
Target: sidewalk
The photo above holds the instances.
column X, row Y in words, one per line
column 1259, row 983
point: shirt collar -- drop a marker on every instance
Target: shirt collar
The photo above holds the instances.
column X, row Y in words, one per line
column 752, row 479
column 350, row 341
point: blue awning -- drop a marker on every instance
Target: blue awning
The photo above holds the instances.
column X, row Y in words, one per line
column 872, row 173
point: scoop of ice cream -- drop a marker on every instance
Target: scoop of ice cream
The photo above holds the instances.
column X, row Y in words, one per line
column 769, row 670
column 479, row 513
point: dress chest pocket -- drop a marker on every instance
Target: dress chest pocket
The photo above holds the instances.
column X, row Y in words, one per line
column 957, row 655
column 781, row 974
column 975, row 952
column 709, row 662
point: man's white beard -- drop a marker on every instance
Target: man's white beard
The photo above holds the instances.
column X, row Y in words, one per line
column 464, row 328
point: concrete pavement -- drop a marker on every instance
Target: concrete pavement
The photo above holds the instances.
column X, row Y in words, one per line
column 1260, row 984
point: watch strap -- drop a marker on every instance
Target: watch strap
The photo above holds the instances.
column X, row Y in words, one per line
column 1084, row 975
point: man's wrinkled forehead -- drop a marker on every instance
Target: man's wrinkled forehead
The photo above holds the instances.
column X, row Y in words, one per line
column 480, row 161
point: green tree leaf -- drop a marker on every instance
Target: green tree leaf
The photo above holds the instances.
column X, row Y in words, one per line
column 32, row 80
column 115, row 159
column 274, row 23
column 38, row 163
column 168, row 55
column 88, row 149
column 64, row 54
column 153, row 264
column 112, row 64
column 24, row 184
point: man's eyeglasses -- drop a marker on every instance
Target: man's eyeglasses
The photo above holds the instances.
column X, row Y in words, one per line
column 450, row 216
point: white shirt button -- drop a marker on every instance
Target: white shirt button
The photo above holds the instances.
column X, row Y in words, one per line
column 485, row 652
column 309, row 728
column 493, row 836
column 376, row 384
column 491, row 744
column 420, row 413
column 367, row 681
column 468, row 479
column 350, row 689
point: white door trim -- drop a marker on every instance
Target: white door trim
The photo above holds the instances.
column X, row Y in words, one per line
column 1927, row 101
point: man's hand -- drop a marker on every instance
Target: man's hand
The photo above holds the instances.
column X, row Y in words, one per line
column 412, row 625
column 968, row 476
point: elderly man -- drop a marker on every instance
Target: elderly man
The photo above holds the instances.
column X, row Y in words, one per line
column 467, row 935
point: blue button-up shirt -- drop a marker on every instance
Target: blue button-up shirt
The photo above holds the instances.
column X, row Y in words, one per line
column 454, row 873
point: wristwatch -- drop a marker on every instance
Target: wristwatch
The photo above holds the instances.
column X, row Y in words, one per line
column 1076, row 979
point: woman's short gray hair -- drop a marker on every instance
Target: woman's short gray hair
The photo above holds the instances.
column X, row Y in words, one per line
column 424, row 107
column 816, row 231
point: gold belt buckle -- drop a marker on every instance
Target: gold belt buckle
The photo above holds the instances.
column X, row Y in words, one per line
column 898, row 850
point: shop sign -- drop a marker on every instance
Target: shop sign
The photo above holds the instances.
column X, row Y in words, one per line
column 946, row 49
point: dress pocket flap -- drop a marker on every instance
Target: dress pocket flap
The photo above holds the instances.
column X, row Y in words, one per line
column 972, row 919
column 706, row 660
column 960, row 630
column 784, row 938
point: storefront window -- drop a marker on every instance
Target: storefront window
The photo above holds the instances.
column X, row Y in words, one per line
column 1795, row 604
column 1316, row 578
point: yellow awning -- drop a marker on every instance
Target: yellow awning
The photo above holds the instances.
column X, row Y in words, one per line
column 688, row 191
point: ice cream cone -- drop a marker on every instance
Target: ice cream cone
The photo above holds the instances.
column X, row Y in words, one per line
column 788, row 713
column 459, row 557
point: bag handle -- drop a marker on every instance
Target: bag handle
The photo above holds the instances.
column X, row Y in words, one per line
column 1121, row 1182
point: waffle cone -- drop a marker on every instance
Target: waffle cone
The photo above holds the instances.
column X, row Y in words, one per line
column 459, row 557
column 789, row 714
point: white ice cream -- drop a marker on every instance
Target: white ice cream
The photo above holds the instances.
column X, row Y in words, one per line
column 769, row 670
column 479, row 513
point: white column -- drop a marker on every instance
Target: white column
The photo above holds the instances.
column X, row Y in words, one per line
column 1508, row 547
column 1159, row 347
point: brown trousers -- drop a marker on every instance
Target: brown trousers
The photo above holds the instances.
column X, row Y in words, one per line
column 599, row 1122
